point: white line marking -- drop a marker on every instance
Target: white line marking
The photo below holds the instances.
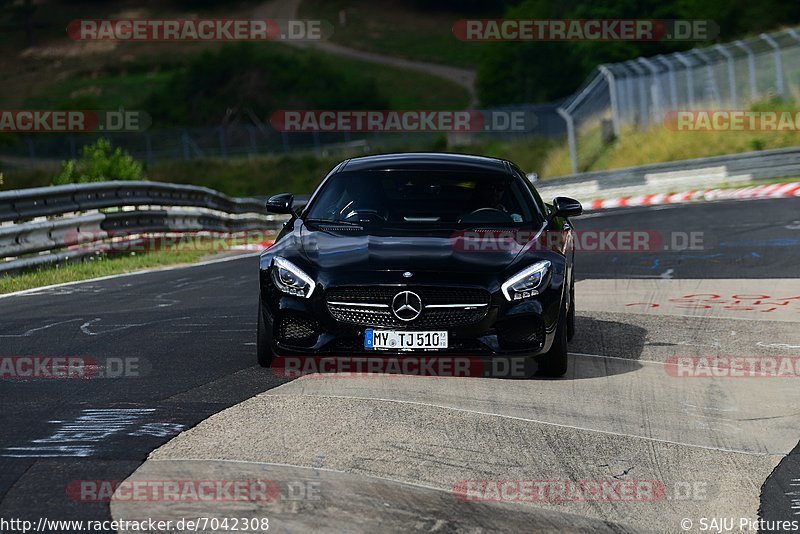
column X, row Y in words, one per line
column 36, row 290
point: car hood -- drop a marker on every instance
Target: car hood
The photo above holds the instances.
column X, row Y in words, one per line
column 442, row 250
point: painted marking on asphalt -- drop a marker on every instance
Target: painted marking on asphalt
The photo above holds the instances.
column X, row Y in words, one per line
column 80, row 437
column 750, row 299
column 46, row 290
column 31, row 331
column 87, row 329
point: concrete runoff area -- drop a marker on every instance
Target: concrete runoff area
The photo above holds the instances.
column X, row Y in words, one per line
column 691, row 446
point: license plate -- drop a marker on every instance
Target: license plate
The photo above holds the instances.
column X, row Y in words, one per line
column 404, row 340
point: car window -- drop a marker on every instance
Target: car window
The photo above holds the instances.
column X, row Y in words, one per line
column 409, row 197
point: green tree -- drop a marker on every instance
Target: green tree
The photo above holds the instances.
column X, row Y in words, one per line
column 100, row 162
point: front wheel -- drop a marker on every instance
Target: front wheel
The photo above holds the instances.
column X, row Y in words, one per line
column 264, row 341
column 553, row 363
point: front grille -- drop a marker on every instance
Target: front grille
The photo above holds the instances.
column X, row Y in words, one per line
column 343, row 304
column 296, row 330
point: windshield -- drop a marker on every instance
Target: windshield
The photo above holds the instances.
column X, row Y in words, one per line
column 418, row 197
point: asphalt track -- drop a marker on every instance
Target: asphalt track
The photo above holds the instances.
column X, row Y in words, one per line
column 394, row 452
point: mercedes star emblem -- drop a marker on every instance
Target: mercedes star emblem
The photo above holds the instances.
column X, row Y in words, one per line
column 406, row 305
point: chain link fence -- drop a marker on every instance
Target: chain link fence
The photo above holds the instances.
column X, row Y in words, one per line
column 640, row 92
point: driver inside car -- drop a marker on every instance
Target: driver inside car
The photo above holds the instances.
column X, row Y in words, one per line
column 490, row 195
column 366, row 202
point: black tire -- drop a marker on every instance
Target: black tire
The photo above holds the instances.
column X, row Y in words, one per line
column 264, row 341
column 553, row 363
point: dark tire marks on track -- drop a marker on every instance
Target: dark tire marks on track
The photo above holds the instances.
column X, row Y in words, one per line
column 192, row 333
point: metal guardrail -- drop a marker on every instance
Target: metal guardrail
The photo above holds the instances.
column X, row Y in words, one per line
column 44, row 201
column 660, row 177
column 36, row 225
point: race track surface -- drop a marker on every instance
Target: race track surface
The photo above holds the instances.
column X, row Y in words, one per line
column 399, row 453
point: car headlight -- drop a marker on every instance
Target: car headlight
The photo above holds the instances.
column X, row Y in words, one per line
column 290, row 279
column 526, row 283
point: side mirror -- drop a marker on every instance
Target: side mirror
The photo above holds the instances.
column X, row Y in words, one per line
column 566, row 207
column 282, row 203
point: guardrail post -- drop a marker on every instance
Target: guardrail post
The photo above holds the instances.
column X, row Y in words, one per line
column 731, row 73
column 612, row 92
column 689, row 76
column 573, row 149
column 778, row 62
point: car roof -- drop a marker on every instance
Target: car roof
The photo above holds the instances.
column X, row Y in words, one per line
column 426, row 161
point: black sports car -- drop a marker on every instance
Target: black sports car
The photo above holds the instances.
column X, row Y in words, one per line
column 404, row 254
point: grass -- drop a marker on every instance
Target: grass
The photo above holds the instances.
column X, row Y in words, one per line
column 530, row 154
column 102, row 265
column 396, row 28
column 103, row 92
column 409, row 89
column 659, row 144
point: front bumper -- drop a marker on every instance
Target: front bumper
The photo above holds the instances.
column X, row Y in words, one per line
column 306, row 327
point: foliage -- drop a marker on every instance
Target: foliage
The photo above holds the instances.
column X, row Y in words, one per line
column 243, row 78
column 99, row 162
column 512, row 72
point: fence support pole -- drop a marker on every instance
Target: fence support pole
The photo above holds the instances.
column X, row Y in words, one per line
column 712, row 82
column 731, row 73
column 778, row 63
column 612, row 92
column 573, row 151
column 751, row 68
column 655, row 92
column 689, row 76
column 643, row 114
column 673, row 83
